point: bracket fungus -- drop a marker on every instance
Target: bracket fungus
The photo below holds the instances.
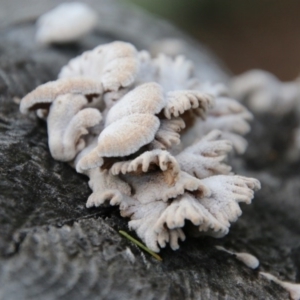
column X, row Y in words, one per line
column 114, row 65
column 127, row 121
column 266, row 94
column 65, row 23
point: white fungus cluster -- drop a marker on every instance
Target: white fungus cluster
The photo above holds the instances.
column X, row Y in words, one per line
column 151, row 138
column 265, row 93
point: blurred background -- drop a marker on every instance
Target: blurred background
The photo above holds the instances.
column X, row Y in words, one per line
column 245, row 34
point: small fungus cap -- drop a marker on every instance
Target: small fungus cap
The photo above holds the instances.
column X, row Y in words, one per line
column 127, row 135
column 66, row 23
column 46, row 93
column 115, row 65
column 144, row 99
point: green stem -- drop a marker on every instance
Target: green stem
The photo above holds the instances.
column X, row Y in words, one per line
column 129, row 237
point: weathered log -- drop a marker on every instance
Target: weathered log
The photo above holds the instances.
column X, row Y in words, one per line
column 52, row 247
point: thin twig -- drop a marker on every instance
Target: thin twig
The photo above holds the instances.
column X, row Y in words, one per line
column 129, row 237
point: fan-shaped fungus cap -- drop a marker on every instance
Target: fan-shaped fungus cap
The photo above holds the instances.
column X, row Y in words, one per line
column 121, row 138
column 181, row 101
column 211, row 214
column 115, row 65
column 127, row 135
column 154, row 186
column 168, row 132
column 146, row 161
column 228, row 116
column 175, row 75
column 130, row 124
column 46, row 93
column 187, row 207
column 144, row 99
column 67, row 122
column 106, row 187
column 206, row 157
column 226, row 192
column 66, row 23
column 143, row 217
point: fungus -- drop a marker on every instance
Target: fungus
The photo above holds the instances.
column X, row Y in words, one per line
column 226, row 192
column 127, row 135
column 248, row 259
column 114, row 65
column 182, row 101
column 64, row 104
column 167, row 134
column 184, row 92
column 130, row 124
column 163, row 159
column 175, row 75
column 170, row 46
column 265, row 93
column 211, row 213
column 46, row 93
column 144, row 99
column 153, row 186
column 131, row 140
column 206, row 157
column 142, row 219
column 187, row 207
column 67, row 122
column 66, row 23
column 107, row 187
column 226, row 115
column 292, row 288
